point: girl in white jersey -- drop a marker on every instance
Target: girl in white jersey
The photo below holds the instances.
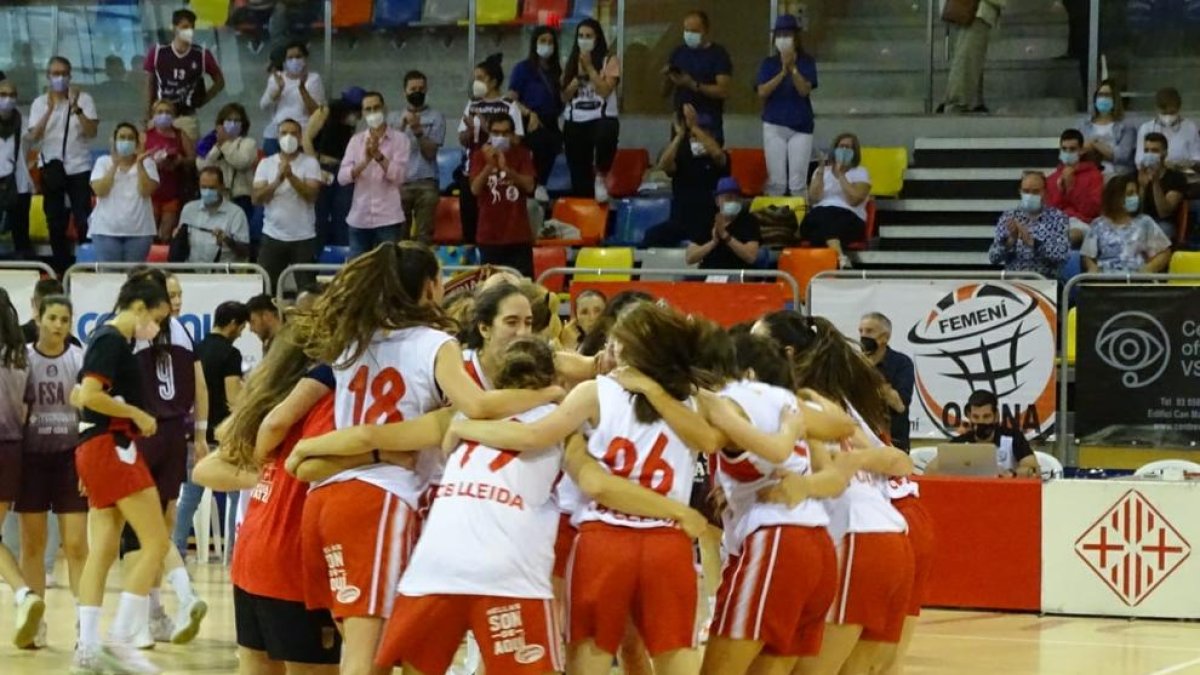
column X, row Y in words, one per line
column 380, row 325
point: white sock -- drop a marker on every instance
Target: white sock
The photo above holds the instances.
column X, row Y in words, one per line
column 89, row 626
column 182, row 584
column 19, row 596
column 132, row 610
column 156, row 607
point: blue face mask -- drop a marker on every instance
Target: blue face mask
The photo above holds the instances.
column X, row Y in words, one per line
column 125, row 147
column 843, row 156
column 1104, row 104
column 210, row 196
column 1031, row 202
column 293, row 66
column 692, row 39
column 1069, row 158
column 1132, row 203
column 233, row 127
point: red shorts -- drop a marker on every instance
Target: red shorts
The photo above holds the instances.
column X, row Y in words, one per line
column 922, row 540
column 875, row 577
column 10, row 471
column 517, row 636
column 356, row 541
column 778, row 590
column 110, row 474
column 616, row 574
column 562, row 545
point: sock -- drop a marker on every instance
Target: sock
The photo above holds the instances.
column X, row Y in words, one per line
column 178, row 578
column 20, row 595
column 156, row 607
column 89, row 626
column 132, row 610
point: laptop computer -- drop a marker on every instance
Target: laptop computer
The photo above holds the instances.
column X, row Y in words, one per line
column 967, row 459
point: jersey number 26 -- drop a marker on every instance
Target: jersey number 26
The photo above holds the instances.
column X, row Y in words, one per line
column 654, row 472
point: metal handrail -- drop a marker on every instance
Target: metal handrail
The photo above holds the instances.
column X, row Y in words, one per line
column 227, row 268
column 997, row 275
column 28, row 265
column 332, row 268
column 741, row 275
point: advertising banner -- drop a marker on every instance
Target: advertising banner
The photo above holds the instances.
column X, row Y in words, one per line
column 962, row 336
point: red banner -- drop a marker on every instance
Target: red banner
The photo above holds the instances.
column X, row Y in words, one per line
column 727, row 304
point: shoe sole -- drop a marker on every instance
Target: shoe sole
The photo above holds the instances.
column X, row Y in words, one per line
column 188, row 633
column 28, row 632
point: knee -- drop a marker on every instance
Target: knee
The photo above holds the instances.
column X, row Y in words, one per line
column 75, row 549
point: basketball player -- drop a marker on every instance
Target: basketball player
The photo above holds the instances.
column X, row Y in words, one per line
column 177, row 71
column 49, row 480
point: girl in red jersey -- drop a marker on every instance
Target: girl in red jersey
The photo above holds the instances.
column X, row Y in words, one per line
column 118, row 484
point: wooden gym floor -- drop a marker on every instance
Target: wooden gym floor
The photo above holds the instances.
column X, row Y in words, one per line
column 947, row 643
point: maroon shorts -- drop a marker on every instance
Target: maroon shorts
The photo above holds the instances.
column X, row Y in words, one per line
column 166, row 454
column 10, row 471
column 49, row 482
column 111, row 473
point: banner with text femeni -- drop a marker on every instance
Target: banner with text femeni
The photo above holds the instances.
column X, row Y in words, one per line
column 962, row 336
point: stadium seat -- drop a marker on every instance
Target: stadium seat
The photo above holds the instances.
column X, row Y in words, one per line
column 39, row 230
column 749, row 167
column 869, row 232
column 1156, row 469
column 797, row 204
column 396, row 13
column 334, row 255
column 921, row 458
column 210, row 13
column 635, row 216
column 456, row 256
column 489, row 12
column 159, row 253
column 664, row 259
column 446, row 11
column 886, row 167
column 544, row 12
column 1185, row 262
column 351, row 14
column 629, row 166
column 1072, row 326
column 1048, row 465
column 559, row 181
column 546, row 257
column 591, row 219
column 604, row 258
column 448, row 160
column 805, row 263
column 85, row 253
column 447, row 225
column 584, row 9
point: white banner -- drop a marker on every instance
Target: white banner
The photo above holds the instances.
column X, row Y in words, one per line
column 1120, row 548
column 962, row 336
column 19, row 285
column 95, row 294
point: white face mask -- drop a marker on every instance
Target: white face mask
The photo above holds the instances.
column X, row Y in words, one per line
column 544, row 50
column 479, row 89
column 1168, row 120
column 374, row 119
column 586, row 45
column 785, row 44
column 186, row 34
column 289, row 144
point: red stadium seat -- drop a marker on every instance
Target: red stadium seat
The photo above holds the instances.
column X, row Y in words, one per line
column 545, row 257
column 447, row 224
column 591, row 219
column 625, row 177
column 805, row 263
column 749, row 167
column 869, row 232
column 351, row 14
column 544, row 12
column 159, row 253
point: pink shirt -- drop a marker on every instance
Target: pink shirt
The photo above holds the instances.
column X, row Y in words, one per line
column 376, row 191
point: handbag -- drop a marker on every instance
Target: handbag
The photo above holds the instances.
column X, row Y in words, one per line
column 180, row 248
column 960, row 12
column 54, row 172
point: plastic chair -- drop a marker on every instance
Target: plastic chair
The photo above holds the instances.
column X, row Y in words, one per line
column 1157, row 468
column 559, row 181
column 591, row 219
column 805, row 263
column 1072, row 327
column 456, row 255
column 749, row 167
column 395, row 13
column 207, row 525
column 545, row 257
column 351, row 14
column 625, row 176
column 210, row 13
column 39, row 229
column 635, row 216
column 1048, row 465
column 921, row 457
column 448, row 159
column 887, row 167
column 447, row 223
column 868, row 232
column 159, row 253
column 334, row 255
column 604, row 258
column 446, row 11
column 490, row 12
column 665, row 259
column 1185, row 262
column 544, row 12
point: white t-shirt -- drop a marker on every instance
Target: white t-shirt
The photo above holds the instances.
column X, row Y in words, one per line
column 835, row 196
column 9, row 162
column 123, row 212
column 79, row 157
column 587, row 105
column 290, row 104
column 288, row 216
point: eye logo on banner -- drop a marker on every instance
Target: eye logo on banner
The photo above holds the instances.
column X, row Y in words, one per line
column 981, row 336
column 1136, row 344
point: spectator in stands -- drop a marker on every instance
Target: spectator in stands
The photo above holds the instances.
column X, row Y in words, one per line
column 589, row 305
column 1123, row 239
column 699, row 72
column 1014, row 457
column 535, row 85
column 592, row 127
column 1032, row 237
column 44, row 288
column 1108, row 133
column 63, row 121
column 1074, row 187
column 840, row 190
column 696, row 162
column 217, row 229
column 502, row 176
column 171, row 149
column 485, row 102
column 286, row 185
column 231, row 149
column 964, row 84
column 734, row 239
column 1161, row 187
column 326, row 137
column 1181, row 134
column 177, row 73
column 874, row 333
column 375, row 164
column 264, row 319
column 426, row 130
column 292, row 92
column 122, row 224
column 118, row 86
column 785, row 81
column 16, row 185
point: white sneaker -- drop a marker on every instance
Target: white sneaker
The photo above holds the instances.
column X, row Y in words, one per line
column 118, row 657
column 88, row 661
column 161, row 627
column 601, row 190
column 142, row 638
column 187, row 621
column 29, row 618
column 541, row 195
column 39, row 640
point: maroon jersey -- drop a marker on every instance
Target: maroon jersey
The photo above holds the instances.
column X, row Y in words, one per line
column 168, row 373
column 53, row 424
column 179, row 78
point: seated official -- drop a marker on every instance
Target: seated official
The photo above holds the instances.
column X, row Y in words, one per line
column 1014, row 456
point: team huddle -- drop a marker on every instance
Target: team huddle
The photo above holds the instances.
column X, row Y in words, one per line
column 417, row 480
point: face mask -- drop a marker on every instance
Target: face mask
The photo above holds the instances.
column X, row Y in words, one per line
column 1132, row 202
column 499, row 142
column 697, row 148
column 1068, row 157
column 984, row 432
column 233, row 127
column 731, row 209
column 785, row 44
column 186, row 34
column 1031, row 202
column 374, row 119
column 1168, row 120
column 869, row 345
column 545, row 51
column 7, row 104
column 293, row 66
column 289, row 144
column 146, row 332
column 163, row 120
column 125, row 147
column 1104, row 105
column 1151, row 160
column 479, row 89
column 210, row 196
column 843, row 156
column 416, row 99
column 691, row 38
column 59, row 82
column 586, row 44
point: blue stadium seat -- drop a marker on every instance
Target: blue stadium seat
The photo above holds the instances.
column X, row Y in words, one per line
column 85, row 253
column 584, row 9
column 1071, row 268
column 396, row 13
column 448, row 160
column 334, row 255
column 457, row 255
column 560, row 176
column 635, row 215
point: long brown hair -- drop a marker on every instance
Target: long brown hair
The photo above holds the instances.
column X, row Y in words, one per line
column 380, row 290
column 835, row 367
column 12, row 338
column 663, row 344
column 528, row 364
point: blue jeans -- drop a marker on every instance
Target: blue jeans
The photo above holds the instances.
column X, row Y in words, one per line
column 121, row 249
column 363, row 240
column 333, row 203
column 185, row 513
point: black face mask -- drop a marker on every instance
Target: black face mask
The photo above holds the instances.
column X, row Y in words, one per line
column 416, row 99
column 984, row 432
column 869, row 345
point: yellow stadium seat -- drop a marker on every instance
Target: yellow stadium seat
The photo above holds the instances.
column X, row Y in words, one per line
column 211, row 13
column 797, row 204
column 887, row 167
column 1071, row 330
column 604, row 258
column 38, row 229
column 1185, row 262
column 495, row 11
